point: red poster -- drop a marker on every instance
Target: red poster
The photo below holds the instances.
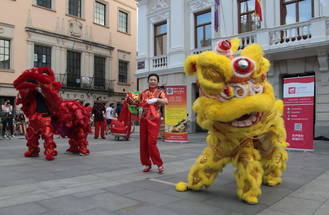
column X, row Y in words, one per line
column 298, row 98
column 176, row 114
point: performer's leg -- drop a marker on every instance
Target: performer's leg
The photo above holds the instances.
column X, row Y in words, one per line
column 274, row 157
column 32, row 136
column 153, row 132
column 73, row 146
column 248, row 174
column 97, row 125
column 103, row 126
column 48, row 137
column 81, row 139
column 274, row 165
column 143, row 134
column 207, row 166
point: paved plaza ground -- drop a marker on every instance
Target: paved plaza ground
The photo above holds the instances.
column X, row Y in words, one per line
column 110, row 181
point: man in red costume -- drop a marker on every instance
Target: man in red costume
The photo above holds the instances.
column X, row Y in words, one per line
column 48, row 113
column 40, row 125
column 151, row 99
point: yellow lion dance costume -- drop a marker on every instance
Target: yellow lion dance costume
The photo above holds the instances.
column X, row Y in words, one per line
column 238, row 107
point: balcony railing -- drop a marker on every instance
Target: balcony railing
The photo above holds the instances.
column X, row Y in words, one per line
column 247, row 38
column 200, row 50
column 310, row 31
column 159, row 62
column 273, row 40
column 72, row 81
column 290, row 33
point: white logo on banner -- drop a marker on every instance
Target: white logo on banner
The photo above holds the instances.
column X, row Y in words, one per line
column 291, row 90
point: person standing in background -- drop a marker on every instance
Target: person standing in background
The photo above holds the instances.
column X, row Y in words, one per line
column 151, row 100
column 98, row 112
column 110, row 114
column 119, row 106
column 7, row 121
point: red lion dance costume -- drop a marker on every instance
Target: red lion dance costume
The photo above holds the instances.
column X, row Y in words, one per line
column 49, row 114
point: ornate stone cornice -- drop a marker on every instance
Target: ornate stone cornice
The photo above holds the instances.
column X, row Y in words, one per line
column 66, row 37
column 158, row 17
column 196, row 5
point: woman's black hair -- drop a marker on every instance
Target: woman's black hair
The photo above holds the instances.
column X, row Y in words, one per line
column 155, row 75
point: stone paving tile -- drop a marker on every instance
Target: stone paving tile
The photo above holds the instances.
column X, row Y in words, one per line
column 317, row 192
column 190, row 195
column 96, row 211
column 226, row 198
column 111, row 201
column 271, row 195
column 297, row 206
column 67, row 204
column 147, row 210
column 152, row 197
column 124, row 188
column 272, row 212
column 323, row 210
column 26, row 209
column 89, row 193
column 153, row 185
column 195, row 208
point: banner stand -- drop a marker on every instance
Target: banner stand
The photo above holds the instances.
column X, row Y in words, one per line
column 298, row 98
column 176, row 117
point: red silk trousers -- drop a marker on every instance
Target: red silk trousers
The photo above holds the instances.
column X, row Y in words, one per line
column 149, row 152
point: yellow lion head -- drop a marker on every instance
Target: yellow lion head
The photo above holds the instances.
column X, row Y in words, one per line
column 234, row 92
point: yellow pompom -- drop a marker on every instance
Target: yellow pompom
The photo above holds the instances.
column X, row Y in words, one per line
column 181, row 186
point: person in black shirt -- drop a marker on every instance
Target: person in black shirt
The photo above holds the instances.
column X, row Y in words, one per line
column 99, row 120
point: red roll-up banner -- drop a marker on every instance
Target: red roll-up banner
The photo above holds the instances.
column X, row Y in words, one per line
column 298, row 98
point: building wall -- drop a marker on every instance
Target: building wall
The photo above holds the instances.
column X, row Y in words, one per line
column 300, row 57
column 26, row 24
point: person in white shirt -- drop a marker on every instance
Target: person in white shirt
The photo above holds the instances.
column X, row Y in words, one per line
column 109, row 115
column 7, row 121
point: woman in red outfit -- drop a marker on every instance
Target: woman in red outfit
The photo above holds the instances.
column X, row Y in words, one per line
column 151, row 99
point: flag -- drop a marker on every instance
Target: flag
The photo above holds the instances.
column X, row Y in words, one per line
column 216, row 24
column 258, row 9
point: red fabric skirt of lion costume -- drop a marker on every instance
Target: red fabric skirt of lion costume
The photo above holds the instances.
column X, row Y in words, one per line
column 37, row 88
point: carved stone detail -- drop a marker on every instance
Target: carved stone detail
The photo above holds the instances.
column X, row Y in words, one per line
column 75, row 28
column 323, row 63
column 199, row 4
column 162, row 3
column 159, row 17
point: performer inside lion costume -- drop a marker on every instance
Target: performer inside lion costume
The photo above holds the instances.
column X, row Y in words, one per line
column 49, row 114
column 238, row 107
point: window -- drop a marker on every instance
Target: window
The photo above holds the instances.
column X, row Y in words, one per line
column 160, row 39
column 75, row 8
column 4, row 54
column 247, row 18
column 100, row 13
column 44, row 3
column 42, row 56
column 123, row 21
column 202, row 29
column 99, row 72
column 73, row 69
column 123, row 71
column 293, row 11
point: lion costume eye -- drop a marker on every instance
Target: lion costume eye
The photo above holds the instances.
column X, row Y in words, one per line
column 243, row 67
